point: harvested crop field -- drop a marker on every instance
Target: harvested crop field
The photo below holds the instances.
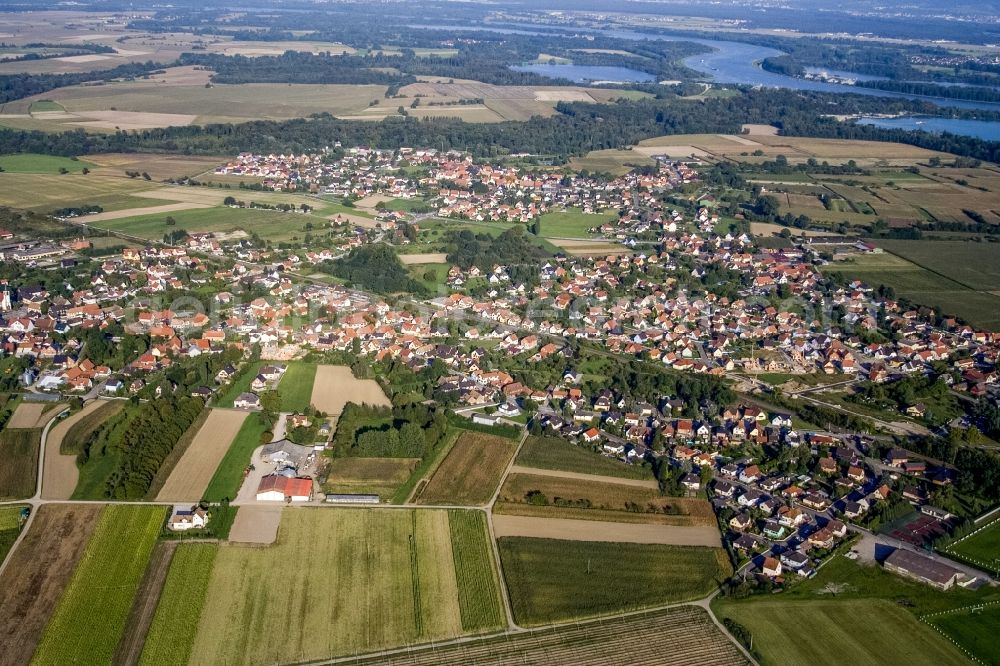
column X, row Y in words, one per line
column 256, row 524
column 593, row 530
column 551, row 580
column 354, row 580
column 683, row 636
column 429, row 258
column 191, row 475
column 596, row 478
column 471, row 471
column 37, row 574
column 31, row 415
column 60, row 473
column 584, row 495
column 335, row 386
column 131, row 212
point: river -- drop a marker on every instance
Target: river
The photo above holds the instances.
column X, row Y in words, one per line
column 739, row 63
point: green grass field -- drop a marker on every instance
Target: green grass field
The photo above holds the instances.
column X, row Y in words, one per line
column 44, row 192
column 32, row 163
column 10, row 527
column 180, row 604
column 984, row 547
column 19, row 471
column 296, row 386
column 550, row 580
column 353, row 580
column 974, row 265
column 268, row 224
column 553, row 453
column 858, row 631
column 77, row 435
column 477, row 578
column 573, row 223
column 90, row 618
column 228, row 476
column 974, row 630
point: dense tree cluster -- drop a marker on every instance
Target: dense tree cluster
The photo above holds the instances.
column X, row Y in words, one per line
column 375, row 267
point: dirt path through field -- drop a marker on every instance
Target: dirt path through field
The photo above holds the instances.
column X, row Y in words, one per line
column 335, row 386
column 60, row 473
column 597, row 478
column 193, row 472
column 256, row 524
column 144, row 606
column 38, row 572
column 594, row 530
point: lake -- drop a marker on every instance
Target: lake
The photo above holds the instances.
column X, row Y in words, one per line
column 587, row 73
column 989, row 131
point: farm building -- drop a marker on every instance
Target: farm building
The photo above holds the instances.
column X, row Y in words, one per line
column 285, row 453
column 278, row 488
column 922, row 569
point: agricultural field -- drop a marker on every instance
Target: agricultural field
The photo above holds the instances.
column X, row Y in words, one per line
column 31, row 163
column 973, row 265
column 10, row 526
column 551, row 580
column 471, row 471
column 37, row 574
column 268, row 224
column 584, row 495
column 19, row 471
column 675, row 636
column 296, row 386
column 558, row 454
column 572, row 223
column 44, row 193
column 570, row 528
column 357, row 597
column 865, row 631
column 369, row 476
column 336, row 385
column 179, row 608
column 225, row 483
column 975, row 630
column 478, row 585
column 925, row 287
column 614, row 161
column 107, row 578
column 210, row 439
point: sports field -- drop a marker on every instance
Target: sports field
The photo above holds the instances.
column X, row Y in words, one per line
column 551, row 580
column 372, row 579
column 864, row 631
column 975, row 630
column 983, row 547
column 471, row 471
column 573, row 223
column 107, row 579
column 296, row 386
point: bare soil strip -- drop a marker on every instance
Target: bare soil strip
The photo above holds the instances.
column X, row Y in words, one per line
column 593, row 530
column 256, row 525
column 60, row 474
column 193, row 472
column 141, row 616
column 429, row 258
column 27, row 415
column 38, row 572
column 131, row 212
column 335, row 386
column 639, row 483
